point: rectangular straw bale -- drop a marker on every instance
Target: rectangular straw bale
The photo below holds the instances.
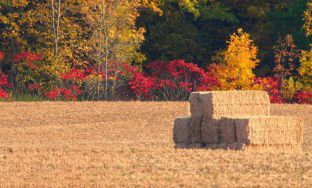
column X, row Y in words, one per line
column 240, row 97
column 207, row 106
column 196, row 105
column 217, row 104
column 242, row 110
column 181, row 130
column 242, row 130
column 249, row 97
column 195, row 129
column 227, row 130
column 196, row 108
column 269, row 130
column 260, row 97
column 210, row 131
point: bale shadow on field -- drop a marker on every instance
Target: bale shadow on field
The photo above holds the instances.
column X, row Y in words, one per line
column 243, row 147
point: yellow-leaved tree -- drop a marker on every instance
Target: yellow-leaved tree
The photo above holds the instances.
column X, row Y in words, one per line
column 305, row 68
column 12, row 27
column 238, row 62
column 114, row 39
column 51, row 28
column 305, row 71
column 77, row 34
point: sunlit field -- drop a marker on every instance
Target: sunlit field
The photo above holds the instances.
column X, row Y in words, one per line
column 112, row 144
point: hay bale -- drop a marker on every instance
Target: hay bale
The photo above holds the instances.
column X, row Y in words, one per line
column 182, row 130
column 207, row 105
column 195, row 129
column 227, row 130
column 196, row 105
column 236, row 120
column 242, row 130
column 271, row 130
column 217, row 104
column 210, row 131
column 196, row 108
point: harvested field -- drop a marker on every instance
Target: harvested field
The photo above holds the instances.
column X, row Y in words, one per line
column 88, row 144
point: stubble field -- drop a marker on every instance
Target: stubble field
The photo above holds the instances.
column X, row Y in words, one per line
column 113, row 144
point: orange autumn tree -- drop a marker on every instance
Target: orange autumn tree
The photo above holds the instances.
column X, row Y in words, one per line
column 237, row 62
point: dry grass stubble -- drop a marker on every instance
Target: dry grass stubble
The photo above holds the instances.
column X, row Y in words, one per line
column 130, row 143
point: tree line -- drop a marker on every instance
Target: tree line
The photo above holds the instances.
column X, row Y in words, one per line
column 45, row 41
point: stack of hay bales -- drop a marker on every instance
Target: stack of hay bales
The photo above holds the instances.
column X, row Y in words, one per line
column 235, row 120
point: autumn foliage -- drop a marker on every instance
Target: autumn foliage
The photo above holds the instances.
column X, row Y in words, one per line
column 172, row 81
column 238, row 62
column 4, row 83
column 109, row 50
column 158, row 80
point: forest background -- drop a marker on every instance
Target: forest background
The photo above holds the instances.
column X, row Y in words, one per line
column 154, row 49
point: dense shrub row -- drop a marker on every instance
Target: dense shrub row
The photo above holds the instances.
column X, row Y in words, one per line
column 173, row 80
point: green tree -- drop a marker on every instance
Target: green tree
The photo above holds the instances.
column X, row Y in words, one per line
column 190, row 30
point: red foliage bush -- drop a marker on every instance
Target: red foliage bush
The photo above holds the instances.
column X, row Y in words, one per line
column 209, row 80
column 175, row 69
column 1, row 56
column 171, row 81
column 74, row 74
column 303, row 97
column 33, row 87
column 142, row 85
column 271, row 85
column 4, row 83
column 3, row 94
column 4, row 80
column 53, row 94
column 27, row 56
column 71, row 87
column 70, row 93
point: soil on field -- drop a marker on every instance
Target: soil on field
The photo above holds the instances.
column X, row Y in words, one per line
column 113, row 144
